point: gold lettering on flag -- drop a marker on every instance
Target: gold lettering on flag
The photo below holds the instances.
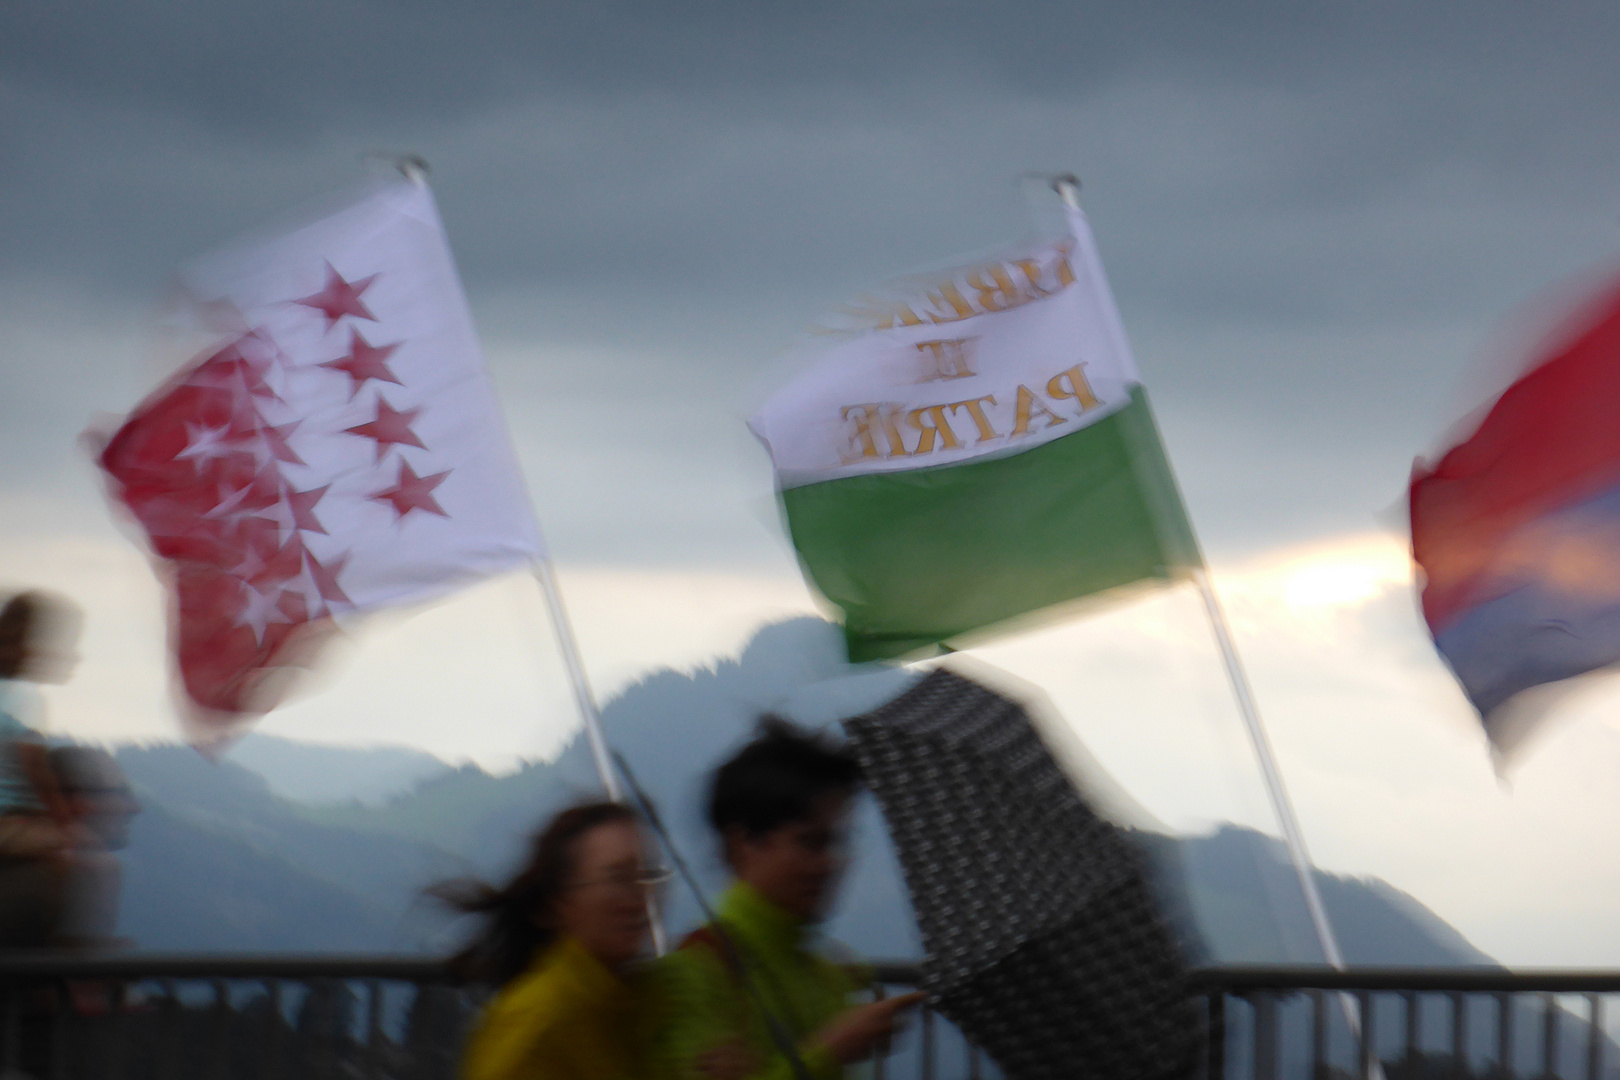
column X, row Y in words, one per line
column 873, row 430
column 950, row 358
column 979, row 290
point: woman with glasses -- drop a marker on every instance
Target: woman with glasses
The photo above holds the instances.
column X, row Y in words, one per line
column 559, row 943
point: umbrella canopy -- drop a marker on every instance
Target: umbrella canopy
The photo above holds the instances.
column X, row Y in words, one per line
column 1045, row 943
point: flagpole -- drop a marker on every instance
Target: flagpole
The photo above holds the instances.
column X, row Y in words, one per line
column 1293, row 835
column 415, row 170
column 584, row 698
column 1068, row 189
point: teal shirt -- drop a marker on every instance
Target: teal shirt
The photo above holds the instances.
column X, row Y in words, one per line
column 706, row 1005
column 18, row 703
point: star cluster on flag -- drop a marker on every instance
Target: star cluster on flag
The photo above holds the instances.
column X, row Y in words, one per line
column 208, row 468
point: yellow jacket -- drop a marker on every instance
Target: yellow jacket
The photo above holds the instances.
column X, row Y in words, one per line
column 567, row 1018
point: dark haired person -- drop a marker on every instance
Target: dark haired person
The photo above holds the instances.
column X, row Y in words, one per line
column 559, row 944
column 781, row 808
column 38, row 839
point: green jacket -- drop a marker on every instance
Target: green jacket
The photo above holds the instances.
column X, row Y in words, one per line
column 708, row 1005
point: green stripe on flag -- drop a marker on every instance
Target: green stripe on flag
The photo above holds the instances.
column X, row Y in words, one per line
column 916, row 558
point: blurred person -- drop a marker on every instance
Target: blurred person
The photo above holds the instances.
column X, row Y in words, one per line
column 98, row 800
column 38, row 839
column 781, row 808
column 560, row 943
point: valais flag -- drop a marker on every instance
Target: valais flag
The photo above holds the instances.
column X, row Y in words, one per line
column 338, row 449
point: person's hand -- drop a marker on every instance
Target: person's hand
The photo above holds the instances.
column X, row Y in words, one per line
column 855, row 1034
column 730, row 1060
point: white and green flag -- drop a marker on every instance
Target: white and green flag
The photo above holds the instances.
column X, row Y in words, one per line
column 966, row 447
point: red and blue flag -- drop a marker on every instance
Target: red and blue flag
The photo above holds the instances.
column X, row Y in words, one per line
column 1517, row 527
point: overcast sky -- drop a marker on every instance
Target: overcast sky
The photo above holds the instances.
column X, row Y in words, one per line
column 1329, row 227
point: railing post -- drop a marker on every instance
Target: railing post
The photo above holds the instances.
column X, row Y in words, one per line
column 1504, row 1032
column 1549, row 1035
column 1265, row 1035
column 117, row 1027
column 172, row 1019
column 925, row 1059
column 219, row 1020
column 880, row 1063
column 1369, row 1040
column 1594, row 1037
column 1414, row 1024
column 374, row 1028
column 1216, row 1068
column 270, row 1064
column 1459, row 1036
column 1319, row 1036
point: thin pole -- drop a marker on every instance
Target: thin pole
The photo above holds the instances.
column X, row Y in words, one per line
column 415, row 169
column 1068, row 189
column 584, row 699
column 1280, row 803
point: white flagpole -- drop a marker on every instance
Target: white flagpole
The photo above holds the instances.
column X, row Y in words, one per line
column 415, row 170
column 1293, row 835
column 1068, row 189
column 584, row 698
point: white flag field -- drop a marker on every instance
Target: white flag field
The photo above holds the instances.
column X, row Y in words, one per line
column 963, row 448
column 338, row 450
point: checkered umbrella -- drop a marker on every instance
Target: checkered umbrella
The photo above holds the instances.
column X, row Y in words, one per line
column 1045, row 944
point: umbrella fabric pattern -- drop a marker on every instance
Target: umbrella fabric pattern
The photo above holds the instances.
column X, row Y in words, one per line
column 1045, row 943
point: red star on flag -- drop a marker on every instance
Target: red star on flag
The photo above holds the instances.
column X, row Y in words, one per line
column 241, row 463
column 413, row 492
column 340, row 297
column 303, row 508
column 275, row 438
column 365, row 361
column 325, row 576
column 392, row 427
column 233, row 369
column 204, row 442
column 259, row 610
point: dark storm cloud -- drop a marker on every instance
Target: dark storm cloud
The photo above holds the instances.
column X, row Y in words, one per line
column 1310, row 211
column 698, row 143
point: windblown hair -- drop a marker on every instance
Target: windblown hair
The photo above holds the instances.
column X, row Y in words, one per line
column 777, row 778
column 517, row 917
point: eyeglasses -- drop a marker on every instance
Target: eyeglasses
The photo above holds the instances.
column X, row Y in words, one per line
column 644, row 880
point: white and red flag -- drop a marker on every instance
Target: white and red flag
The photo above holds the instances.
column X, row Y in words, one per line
column 339, row 450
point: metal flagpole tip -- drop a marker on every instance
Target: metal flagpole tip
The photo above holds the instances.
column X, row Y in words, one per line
column 1067, row 186
column 413, row 167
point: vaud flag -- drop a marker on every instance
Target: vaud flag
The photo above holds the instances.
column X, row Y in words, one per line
column 966, row 447
column 338, row 449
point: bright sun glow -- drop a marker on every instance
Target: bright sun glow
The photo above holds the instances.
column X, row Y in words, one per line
column 1345, row 574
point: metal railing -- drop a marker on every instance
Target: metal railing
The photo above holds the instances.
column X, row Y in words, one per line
column 1409, row 1023
column 152, row 1017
